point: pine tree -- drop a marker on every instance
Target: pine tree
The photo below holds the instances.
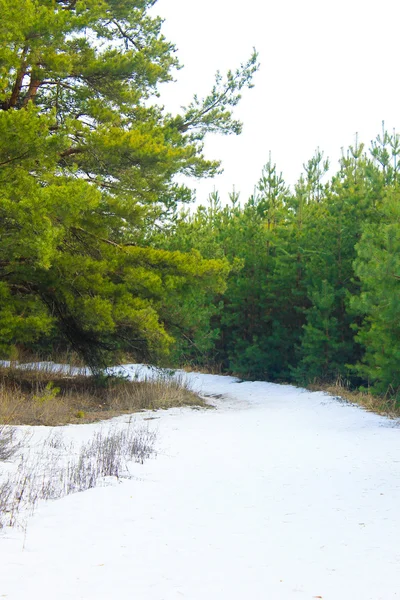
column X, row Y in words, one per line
column 331, row 231
column 87, row 166
column 378, row 268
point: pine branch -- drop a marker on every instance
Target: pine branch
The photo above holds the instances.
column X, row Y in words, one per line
column 10, row 160
column 126, row 36
column 16, row 91
column 72, row 151
column 100, row 239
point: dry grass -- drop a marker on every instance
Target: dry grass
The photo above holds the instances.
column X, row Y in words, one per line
column 48, row 397
column 212, row 369
column 389, row 407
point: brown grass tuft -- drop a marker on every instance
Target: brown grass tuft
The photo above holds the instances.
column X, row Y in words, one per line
column 31, row 396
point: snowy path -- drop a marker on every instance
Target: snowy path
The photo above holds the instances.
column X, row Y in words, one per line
column 276, row 494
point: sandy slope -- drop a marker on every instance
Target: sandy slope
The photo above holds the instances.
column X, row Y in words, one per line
column 276, row 494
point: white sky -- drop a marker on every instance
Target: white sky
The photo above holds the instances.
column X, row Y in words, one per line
column 329, row 69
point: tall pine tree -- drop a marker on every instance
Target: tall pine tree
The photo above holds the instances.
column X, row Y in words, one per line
column 87, row 166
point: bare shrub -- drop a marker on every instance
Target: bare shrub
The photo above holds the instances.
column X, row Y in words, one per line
column 16, row 493
column 140, row 446
column 6, row 493
column 107, row 455
column 9, row 444
column 55, row 441
column 47, row 477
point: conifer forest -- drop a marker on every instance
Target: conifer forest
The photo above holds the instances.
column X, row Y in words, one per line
column 103, row 252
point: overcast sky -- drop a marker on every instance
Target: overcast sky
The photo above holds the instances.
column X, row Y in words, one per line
column 329, row 69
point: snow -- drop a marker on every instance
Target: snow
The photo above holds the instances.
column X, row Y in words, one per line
column 277, row 493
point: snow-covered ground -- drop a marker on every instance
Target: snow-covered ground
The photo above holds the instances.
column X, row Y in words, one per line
column 276, row 494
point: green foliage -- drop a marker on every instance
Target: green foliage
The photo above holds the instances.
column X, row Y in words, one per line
column 297, row 285
column 309, row 268
column 48, row 394
column 87, row 166
column 332, row 227
column 378, row 267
